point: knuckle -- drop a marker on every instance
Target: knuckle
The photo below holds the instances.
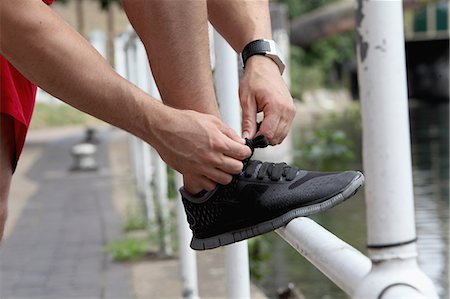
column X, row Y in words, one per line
column 292, row 110
column 238, row 167
column 217, row 144
column 270, row 134
column 210, row 158
column 225, row 179
column 243, row 152
column 209, row 186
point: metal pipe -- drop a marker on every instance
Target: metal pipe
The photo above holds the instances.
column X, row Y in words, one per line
column 386, row 150
column 147, row 179
column 188, row 257
column 161, row 186
column 390, row 277
column 402, row 292
column 132, row 76
column 386, row 140
column 340, row 262
column 226, row 79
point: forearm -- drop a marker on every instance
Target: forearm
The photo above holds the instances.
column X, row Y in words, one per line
column 175, row 35
column 52, row 55
column 240, row 21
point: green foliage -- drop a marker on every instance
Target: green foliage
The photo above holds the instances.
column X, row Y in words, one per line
column 327, row 150
column 259, row 253
column 303, row 76
column 172, row 190
column 311, row 67
column 127, row 249
column 55, row 115
column 299, row 7
column 135, row 220
column 333, row 144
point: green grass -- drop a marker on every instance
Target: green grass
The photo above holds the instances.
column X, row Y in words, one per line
column 134, row 221
column 128, row 249
column 58, row 115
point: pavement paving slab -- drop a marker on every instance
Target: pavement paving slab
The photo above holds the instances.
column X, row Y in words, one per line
column 56, row 247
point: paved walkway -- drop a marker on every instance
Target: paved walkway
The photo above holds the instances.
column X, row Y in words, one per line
column 55, row 249
column 60, row 222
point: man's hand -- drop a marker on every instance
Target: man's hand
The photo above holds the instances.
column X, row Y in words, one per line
column 262, row 89
column 201, row 147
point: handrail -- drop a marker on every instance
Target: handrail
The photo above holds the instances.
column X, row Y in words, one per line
column 227, row 84
column 389, row 272
column 341, row 263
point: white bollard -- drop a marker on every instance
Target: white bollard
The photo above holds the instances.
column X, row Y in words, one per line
column 227, row 84
column 386, row 149
column 188, row 257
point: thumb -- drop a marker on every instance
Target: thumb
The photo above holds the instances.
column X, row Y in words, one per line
column 249, row 112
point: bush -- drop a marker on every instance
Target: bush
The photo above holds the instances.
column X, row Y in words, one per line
column 128, row 249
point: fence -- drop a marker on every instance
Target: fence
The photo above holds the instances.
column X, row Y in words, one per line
column 391, row 270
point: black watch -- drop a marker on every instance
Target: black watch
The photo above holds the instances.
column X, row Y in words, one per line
column 265, row 47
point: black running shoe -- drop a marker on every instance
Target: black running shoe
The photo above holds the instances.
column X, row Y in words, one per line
column 264, row 197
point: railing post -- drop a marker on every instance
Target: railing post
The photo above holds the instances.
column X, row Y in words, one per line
column 226, row 79
column 188, row 257
column 161, row 184
column 386, row 150
column 340, row 262
column 142, row 80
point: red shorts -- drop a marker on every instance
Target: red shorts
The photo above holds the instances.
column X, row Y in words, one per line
column 17, row 98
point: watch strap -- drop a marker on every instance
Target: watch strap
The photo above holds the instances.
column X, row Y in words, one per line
column 256, row 47
column 265, row 47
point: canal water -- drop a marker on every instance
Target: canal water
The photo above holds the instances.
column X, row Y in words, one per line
column 281, row 264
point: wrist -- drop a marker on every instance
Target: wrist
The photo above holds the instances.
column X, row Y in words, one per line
column 262, row 62
column 264, row 47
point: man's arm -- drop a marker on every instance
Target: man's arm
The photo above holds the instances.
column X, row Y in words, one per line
column 51, row 54
column 262, row 87
column 175, row 35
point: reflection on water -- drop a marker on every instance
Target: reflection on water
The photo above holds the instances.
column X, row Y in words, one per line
column 430, row 140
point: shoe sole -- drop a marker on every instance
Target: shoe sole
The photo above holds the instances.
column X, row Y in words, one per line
column 270, row 225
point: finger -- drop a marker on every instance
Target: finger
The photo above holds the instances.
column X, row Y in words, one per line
column 235, row 150
column 232, row 134
column 281, row 132
column 231, row 166
column 197, row 183
column 269, row 127
column 249, row 111
column 218, row 175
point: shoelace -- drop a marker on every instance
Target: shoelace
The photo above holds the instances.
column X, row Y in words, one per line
column 274, row 171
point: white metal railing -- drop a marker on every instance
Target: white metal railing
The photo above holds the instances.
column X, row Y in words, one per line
column 150, row 172
column 227, row 85
column 391, row 270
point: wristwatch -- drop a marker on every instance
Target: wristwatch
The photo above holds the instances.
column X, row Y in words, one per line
column 265, row 47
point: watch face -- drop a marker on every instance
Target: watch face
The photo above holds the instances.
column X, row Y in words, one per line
column 276, row 55
column 277, row 51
